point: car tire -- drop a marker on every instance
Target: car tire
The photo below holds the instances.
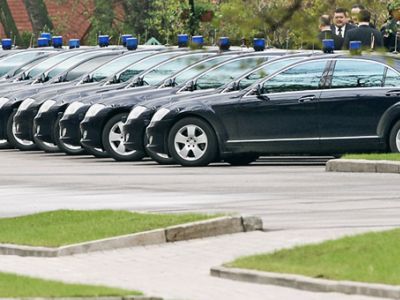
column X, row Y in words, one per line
column 162, row 159
column 46, row 147
column 16, row 142
column 113, row 140
column 192, row 142
column 394, row 138
column 96, row 152
column 66, row 148
column 243, row 159
column 4, row 144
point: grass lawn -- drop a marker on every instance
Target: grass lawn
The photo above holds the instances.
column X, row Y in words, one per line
column 21, row 286
column 374, row 156
column 371, row 257
column 65, row 227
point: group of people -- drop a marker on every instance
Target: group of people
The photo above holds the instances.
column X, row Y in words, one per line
column 344, row 28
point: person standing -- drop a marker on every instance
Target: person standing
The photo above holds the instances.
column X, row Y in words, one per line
column 355, row 10
column 369, row 37
column 327, row 34
column 391, row 29
column 341, row 24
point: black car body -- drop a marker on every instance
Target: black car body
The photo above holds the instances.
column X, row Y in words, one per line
column 92, row 137
column 137, row 121
column 49, row 80
column 328, row 105
column 46, row 120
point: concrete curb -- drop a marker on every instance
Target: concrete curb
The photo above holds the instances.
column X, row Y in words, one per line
column 195, row 230
column 87, row 298
column 364, row 166
column 308, row 283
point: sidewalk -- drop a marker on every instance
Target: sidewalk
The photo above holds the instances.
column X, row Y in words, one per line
column 180, row 270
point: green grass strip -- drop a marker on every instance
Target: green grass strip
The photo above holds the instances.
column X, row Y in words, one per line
column 374, row 156
column 372, row 257
column 12, row 285
column 65, row 227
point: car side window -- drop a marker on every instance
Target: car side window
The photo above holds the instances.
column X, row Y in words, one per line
column 265, row 71
column 228, row 72
column 357, row 74
column 87, row 66
column 392, row 78
column 306, row 76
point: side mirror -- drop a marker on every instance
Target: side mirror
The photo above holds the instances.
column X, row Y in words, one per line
column 43, row 78
column 190, row 86
column 259, row 92
column 87, row 79
column 233, row 86
column 169, row 82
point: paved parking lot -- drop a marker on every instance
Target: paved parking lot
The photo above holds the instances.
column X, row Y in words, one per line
column 287, row 194
column 296, row 198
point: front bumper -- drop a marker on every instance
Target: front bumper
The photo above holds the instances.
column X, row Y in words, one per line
column 157, row 136
column 45, row 123
column 70, row 132
column 134, row 131
column 92, row 128
column 23, row 121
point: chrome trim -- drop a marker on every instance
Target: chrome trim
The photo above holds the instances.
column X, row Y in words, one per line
column 304, row 139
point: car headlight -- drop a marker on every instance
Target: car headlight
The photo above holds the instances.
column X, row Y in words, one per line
column 95, row 109
column 160, row 114
column 73, row 108
column 46, row 106
column 136, row 112
column 3, row 101
column 26, row 103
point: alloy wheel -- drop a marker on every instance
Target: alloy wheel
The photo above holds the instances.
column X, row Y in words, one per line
column 116, row 139
column 191, row 142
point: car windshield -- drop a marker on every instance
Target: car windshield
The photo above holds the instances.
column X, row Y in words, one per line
column 143, row 65
column 48, row 63
column 68, row 63
column 267, row 70
column 14, row 61
column 229, row 71
column 116, row 65
column 160, row 73
column 200, row 67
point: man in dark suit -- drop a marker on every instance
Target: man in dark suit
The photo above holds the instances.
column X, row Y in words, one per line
column 369, row 37
column 326, row 32
column 341, row 24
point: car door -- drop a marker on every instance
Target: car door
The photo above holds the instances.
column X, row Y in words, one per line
column 351, row 109
column 284, row 118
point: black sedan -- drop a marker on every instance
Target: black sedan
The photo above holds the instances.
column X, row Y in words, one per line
column 111, row 117
column 140, row 116
column 330, row 105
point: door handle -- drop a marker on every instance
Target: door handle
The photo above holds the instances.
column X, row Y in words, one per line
column 393, row 93
column 306, row 99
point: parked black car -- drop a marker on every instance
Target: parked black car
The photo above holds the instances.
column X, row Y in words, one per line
column 110, row 116
column 45, row 101
column 140, row 116
column 326, row 105
column 67, row 71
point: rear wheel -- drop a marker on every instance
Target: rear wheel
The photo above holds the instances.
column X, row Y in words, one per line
column 192, row 142
column 113, row 140
column 394, row 138
column 18, row 143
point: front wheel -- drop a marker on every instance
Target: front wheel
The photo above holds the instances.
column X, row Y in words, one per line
column 46, row 147
column 113, row 140
column 192, row 142
column 23, row 145
column 394, row 138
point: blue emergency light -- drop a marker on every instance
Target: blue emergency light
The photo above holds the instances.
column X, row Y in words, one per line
column 259, row 44
column 104, row 40
column 6, row 44
column 124, row 37
column 224, row 43
column 183, row 40
column 43, row 42
column 198, row 41
column 74, row 43
column 57, row 41
column 132, row 43
column 355, row 47
column 46, row 35
column 328, row 45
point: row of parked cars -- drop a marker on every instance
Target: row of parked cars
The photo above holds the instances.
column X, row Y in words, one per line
column 196, row 107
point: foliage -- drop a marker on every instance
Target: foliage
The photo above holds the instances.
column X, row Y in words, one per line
column 7, row 20
column 377, row 156
column 14, row 286
column 394, row 4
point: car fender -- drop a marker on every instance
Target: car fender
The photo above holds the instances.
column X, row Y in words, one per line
column 207, row 113
column 388, row 119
